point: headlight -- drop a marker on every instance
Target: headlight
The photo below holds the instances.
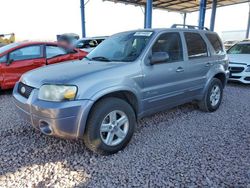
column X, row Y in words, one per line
column 57, row 93
column 248, row 69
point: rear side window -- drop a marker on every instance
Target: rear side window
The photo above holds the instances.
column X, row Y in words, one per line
column 215, row 41
column 54, row 51
column 196, row 46
column 170, row 43
column 26, row 53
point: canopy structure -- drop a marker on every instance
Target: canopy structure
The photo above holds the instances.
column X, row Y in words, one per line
column 182, row 6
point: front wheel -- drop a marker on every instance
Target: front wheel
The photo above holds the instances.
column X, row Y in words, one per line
column 213, row 96
column 110, row 126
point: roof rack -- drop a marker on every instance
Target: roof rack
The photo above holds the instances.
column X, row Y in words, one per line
column 189, row 27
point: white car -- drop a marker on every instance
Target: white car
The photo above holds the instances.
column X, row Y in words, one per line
column 239, row 62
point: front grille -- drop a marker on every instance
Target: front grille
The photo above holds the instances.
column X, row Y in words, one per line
column 247, row 79
column 235, row 77
column 236, row 69
column 24, row 90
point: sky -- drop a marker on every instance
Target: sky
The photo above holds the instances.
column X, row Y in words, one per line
column 44, row 19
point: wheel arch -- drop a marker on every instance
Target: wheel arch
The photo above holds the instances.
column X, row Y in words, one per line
column 222, row 77
column 219, row 75
column 127, row 95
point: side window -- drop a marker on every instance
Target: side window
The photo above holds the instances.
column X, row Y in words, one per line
column 99, row 41
column 3, row 59
column 215, row 41
column 93, row 43
column 170, row 43
column 80, row 44
column 196, row 46
column 26, row 53
column 54, row 51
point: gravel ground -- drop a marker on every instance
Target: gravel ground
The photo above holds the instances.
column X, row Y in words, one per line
column 182, row 147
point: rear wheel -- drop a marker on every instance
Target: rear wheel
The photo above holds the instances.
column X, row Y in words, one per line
column 213, row 96
column 110, row 126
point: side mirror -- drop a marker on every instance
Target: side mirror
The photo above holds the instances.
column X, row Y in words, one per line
column 159, row 57
column 9, row 61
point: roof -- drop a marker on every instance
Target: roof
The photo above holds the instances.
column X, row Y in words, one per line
column 180, row 5
column 93, row 38
column 247, row 41
column 10, row 47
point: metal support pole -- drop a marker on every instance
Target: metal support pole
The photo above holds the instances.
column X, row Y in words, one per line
column 145, row 16
column 149, row 7
column 213, row 15
column 83, row 18
column 203, row 5
column 248, row 24
column 184, row 18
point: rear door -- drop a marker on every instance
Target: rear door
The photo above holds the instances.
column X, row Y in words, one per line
column 164, row 83
column 20, row 61
column 57, row 54
column 199, row 61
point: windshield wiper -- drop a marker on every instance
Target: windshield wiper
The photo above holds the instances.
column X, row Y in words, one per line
column 88, row 58
column 100, row 58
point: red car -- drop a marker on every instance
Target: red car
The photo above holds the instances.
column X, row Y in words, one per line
column 18, row 58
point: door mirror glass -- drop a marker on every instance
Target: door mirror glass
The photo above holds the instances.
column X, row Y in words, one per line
column 159, row 57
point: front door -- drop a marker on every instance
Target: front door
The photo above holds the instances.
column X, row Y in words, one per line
column 165, row 83
column 20, row 61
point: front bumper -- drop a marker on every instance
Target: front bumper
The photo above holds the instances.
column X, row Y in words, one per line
column 241, row 75
column 62, row 119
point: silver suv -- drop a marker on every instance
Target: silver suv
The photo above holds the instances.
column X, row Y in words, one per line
column 128, row 76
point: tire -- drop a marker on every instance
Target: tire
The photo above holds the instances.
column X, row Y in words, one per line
column 100, row 129
column 208, row 104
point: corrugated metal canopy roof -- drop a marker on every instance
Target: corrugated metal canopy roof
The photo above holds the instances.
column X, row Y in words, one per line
column 180, row 5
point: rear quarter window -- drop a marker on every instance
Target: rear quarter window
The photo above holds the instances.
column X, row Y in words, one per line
column 215, row 42
column 196, row 46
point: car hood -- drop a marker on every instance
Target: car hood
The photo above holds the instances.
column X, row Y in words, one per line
column 64, row 73
column 239, row 58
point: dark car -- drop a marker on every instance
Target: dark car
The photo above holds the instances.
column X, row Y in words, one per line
column 88, row 44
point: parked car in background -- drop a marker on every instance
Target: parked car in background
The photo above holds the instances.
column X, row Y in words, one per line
column 128, row 76
column 229, row 44
column 88, row 44
column 18, row 58
column 239, row 62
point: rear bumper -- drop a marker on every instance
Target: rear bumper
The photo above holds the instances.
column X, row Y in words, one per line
column 61, row 119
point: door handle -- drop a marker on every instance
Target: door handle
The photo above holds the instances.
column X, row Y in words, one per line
column 179, row 69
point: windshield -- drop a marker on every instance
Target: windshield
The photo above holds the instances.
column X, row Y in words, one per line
column 240, row 49
column 121, row 47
